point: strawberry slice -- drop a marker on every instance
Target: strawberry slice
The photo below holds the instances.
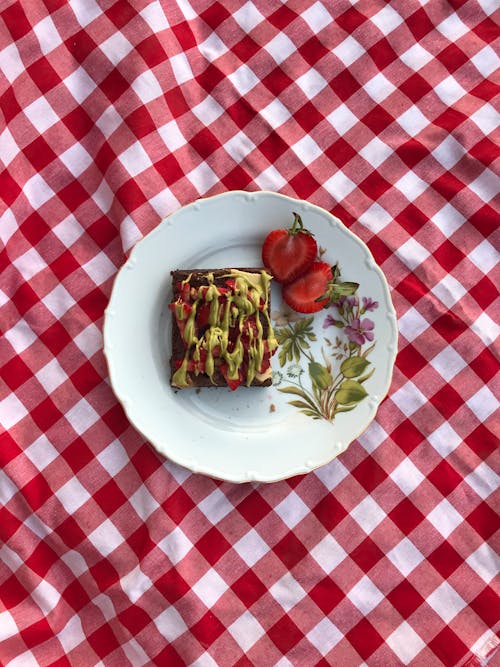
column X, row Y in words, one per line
column 304, row 294
column 287, row 253
column 231, row 383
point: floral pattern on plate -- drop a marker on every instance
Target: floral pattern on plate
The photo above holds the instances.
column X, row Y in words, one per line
column 325, row 386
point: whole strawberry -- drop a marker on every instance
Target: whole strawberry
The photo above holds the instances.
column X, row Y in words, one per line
column 288, row 253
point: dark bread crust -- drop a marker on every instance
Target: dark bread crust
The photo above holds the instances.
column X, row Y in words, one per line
column 198, row 278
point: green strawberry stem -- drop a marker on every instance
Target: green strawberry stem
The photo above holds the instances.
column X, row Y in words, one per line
column 298, row 226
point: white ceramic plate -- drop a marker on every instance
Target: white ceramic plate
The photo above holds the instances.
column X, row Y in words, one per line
column 252, row 433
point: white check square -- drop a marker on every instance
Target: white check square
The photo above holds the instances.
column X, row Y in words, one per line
column 405, row 643
column 485, row 61
column 208, row 110
column 448, row 363
column 72, row 495
column 251, row 547
column 280, row 47
column 483, row 403
column 202, row 178
column 449, row 290
column 51, row 376
column 387, row 19
column 248, row 17
column 41, row 453
column 452, row 27
column 275, row 113
column 243, row 79
column 99, row 268
column 324, row 636
column 58, row 301
column 113, row 458
column 411, row 185
column 416, row 57
column 409, row 398
column 348, row 51
column 155, row 17
column 171, row 136
column 135, row 159
column 170, row 624
column 311, row 83
column 239, row 146
column 365, row 596
column 339, row 185
column 116, row 47
column 483, row 480
column 246, row 630
column 375, row 152
column 72, row 634
column 485, row 186
column 82, row 416
column 11, row 411
column 47, row 34
column 485, row 562
column 444, row 439
column 76, row 159
column 106, row 538
column 448, row 220
column 412, row 253
column 8, row 147
column 407, row 476
column 287, row 592
column 85, row 11
column 270, row 179
column 449, row 90
column 135, row 583
column 445, row 518
column 405, row 556
column 486, row 328
column 375, row 218
column 11, row 64
column 412, row 324
column 20, row 336
column 484, row 256
column 176, row 545
column 215, row 506
column 146, row 87
column 446, row 602
column 368, row 514
column 37, row 191
column 79, row 84
column 328, row 553
column 292, row 509
column 29, row 264
column 41, row 115
column 307, row 150
column 342, row 119
column 379, row 88
column 317, row 17
column 181, row 68
column 412, row 121
column 210, row 588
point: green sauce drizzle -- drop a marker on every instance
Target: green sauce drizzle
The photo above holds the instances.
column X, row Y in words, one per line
column 241, row 303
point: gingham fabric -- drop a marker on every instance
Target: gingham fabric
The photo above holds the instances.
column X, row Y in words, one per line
column 115, row 114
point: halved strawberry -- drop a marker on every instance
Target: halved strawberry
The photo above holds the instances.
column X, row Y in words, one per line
column 302, row 295
column 287, row 253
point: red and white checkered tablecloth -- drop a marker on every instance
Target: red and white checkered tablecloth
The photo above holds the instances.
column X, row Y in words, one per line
column 115, row 114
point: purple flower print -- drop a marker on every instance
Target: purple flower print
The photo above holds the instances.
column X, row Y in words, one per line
column 369, row 304
column 359, row 331
column 352, row 301
column 329, row 322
